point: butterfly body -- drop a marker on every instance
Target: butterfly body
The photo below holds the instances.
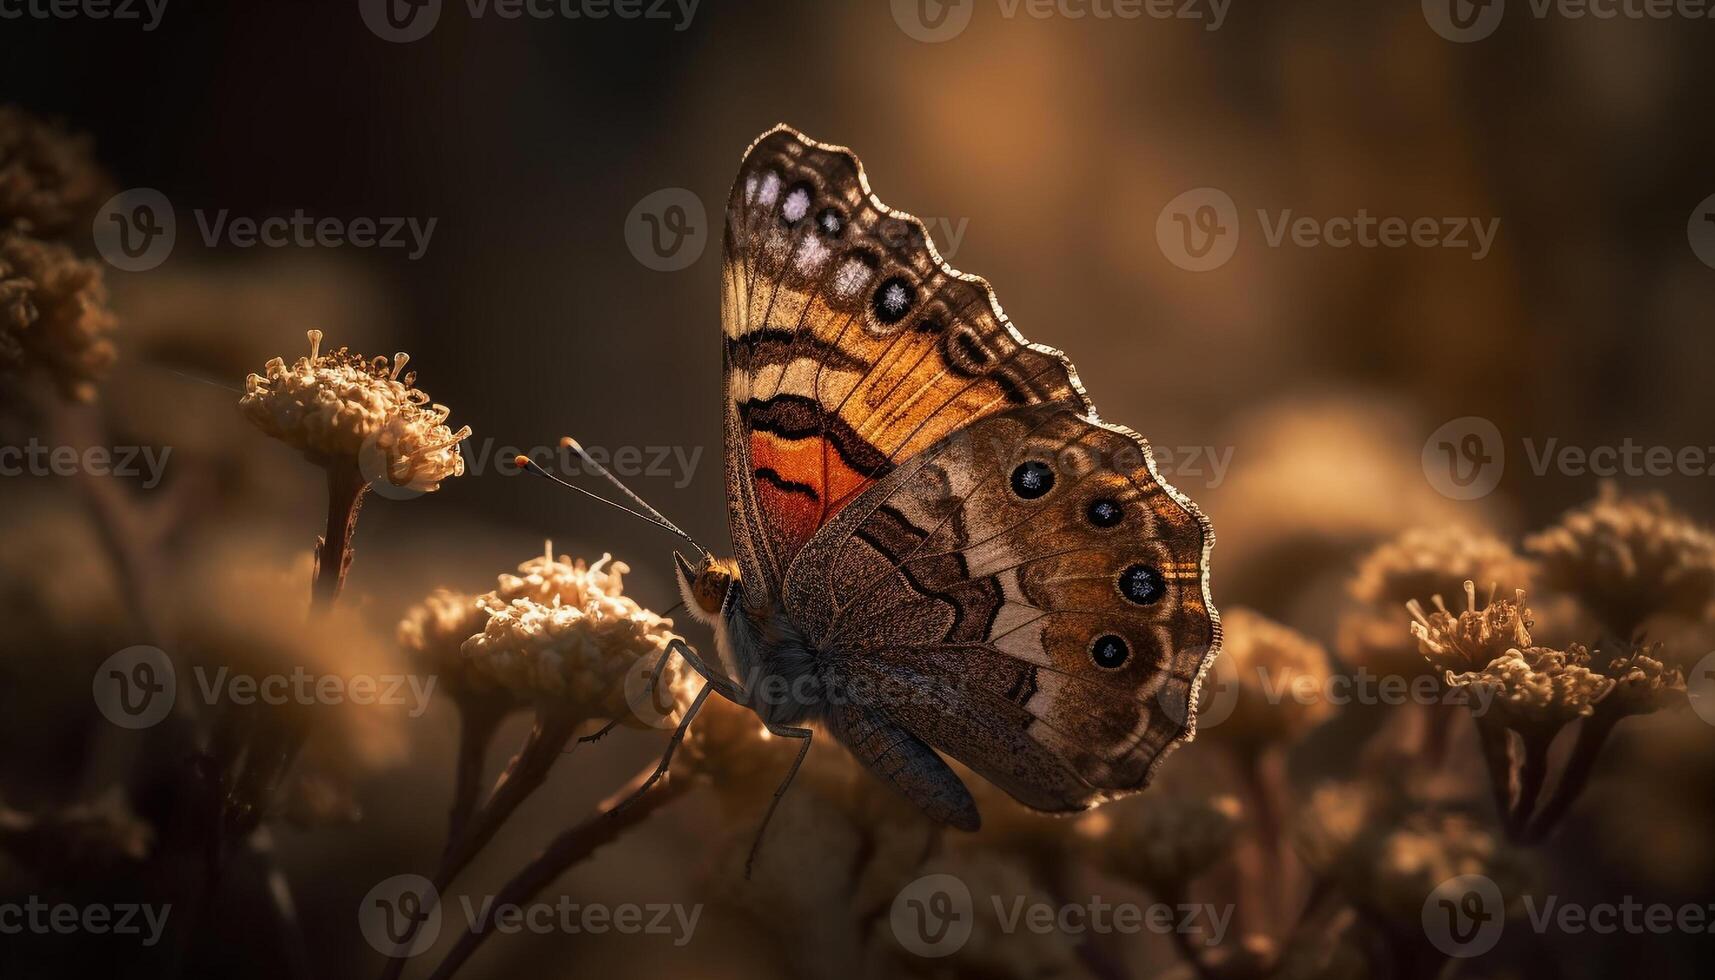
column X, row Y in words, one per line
column 940, row 548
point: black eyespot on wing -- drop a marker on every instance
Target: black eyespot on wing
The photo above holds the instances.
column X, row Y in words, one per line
column 1104, row 513
column 831, row 222
column 1032, row 479
column 1142, row 584
column 893, row 299
column 795, row 204
column 1109, row 651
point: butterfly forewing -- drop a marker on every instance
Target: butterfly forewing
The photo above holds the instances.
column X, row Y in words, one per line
column 849, row 346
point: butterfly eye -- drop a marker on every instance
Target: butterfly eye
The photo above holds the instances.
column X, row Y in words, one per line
column 1105, row 513
column 1032, row 479
column 799, row 197
column 1109, row 651
column 893, row 299
column 831, row 222
column 1142, row 584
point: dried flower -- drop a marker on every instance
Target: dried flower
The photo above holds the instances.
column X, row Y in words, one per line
column 49, row 181
column 1643, row 684
column 1421, row 563
column 1630, row 558
column 54, row 315
column 1162, row 842
column 1388, row 850
column 341, row 406
column 1280, row 676
column 1473, row 638
column 1537, row 690
column 433, row 632
column 577, row 645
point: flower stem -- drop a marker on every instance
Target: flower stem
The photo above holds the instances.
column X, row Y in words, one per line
column 1592, row 735
column 566, row 850
column 1532, row 773
column 1497, row 748
column 346, row 487
column 478, row 721
column 527, row 771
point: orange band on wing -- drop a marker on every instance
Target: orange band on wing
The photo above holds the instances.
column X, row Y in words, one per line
column 796, row 478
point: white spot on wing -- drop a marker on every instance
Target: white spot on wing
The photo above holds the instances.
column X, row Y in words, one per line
column 797, row 205
column 850, row 278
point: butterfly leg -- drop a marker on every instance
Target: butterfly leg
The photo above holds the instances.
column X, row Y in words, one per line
column 725, row 686
column 667, row 756
column 601, row 733
column 779, row 731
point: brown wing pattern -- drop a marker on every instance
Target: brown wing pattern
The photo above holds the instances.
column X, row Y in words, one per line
column 850, row 347
column 1038, row 588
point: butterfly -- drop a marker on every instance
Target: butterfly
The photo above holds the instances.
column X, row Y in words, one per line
column 940, row 549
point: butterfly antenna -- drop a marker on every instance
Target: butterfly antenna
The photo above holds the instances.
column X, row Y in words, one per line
column 653, row 516
column 568, row 442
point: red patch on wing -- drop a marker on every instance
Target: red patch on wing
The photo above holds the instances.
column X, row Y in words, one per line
column 795, row 480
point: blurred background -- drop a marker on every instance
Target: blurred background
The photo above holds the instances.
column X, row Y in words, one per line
column 1301, row 390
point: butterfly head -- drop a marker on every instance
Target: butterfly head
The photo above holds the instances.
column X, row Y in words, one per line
column 707, row 587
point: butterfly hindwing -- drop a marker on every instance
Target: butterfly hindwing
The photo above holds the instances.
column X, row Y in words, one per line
column 1031, row 597
column 850, row 346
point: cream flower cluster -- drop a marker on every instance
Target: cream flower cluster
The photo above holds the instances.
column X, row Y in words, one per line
column 1472, row 639
column 564, row 632
column 1266, row 658
column 341, row 406
column 1627, row 558
column 1538, row 689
